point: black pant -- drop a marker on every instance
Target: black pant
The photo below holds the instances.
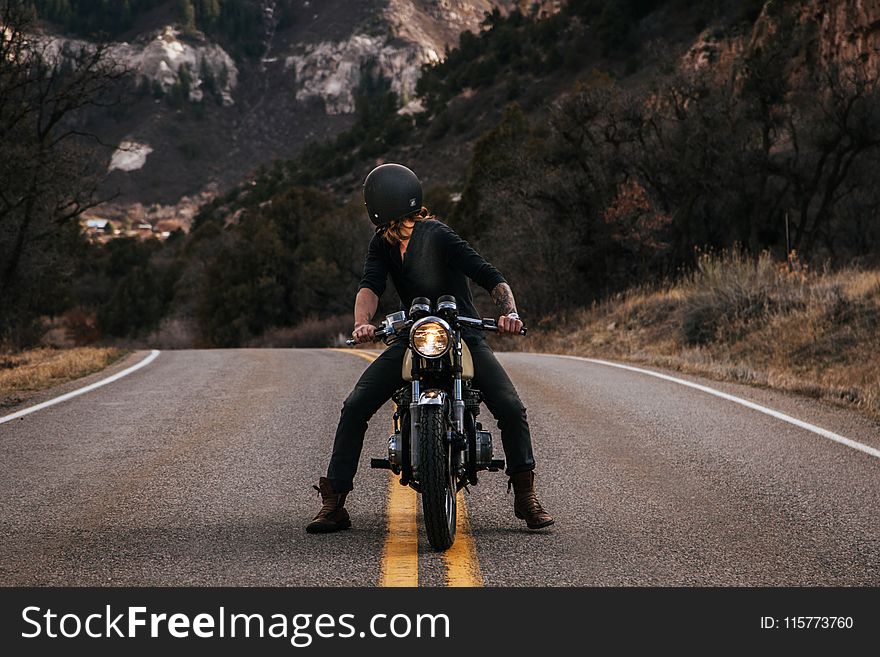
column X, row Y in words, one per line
column 383, row 377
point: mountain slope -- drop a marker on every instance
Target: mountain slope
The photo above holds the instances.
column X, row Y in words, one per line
column 221, row 91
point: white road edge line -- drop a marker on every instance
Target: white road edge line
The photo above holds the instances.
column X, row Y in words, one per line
column 830, row 435
column 80, row 391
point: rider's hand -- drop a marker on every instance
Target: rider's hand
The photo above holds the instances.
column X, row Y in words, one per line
column 509, row 324
column 364, row 333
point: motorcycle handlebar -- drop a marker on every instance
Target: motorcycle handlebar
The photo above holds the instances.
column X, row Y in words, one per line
column 484, row 324
column 378, row 335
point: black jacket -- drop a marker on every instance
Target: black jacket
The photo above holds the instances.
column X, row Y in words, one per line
column 437, row 262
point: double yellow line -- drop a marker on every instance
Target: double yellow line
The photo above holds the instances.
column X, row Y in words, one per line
column 400, row 554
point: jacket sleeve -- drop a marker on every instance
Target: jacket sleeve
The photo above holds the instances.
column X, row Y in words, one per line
column 463, row 257
column 375, row 267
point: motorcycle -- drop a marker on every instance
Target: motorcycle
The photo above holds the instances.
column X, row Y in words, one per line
column 438, row 446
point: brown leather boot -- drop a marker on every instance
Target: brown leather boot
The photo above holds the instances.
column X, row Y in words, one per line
column 525, row 501
column 332, row 517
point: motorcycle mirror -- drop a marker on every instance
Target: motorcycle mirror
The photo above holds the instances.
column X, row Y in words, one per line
column 395, row 320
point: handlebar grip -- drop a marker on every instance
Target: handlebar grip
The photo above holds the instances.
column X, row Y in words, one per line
column 490, row 324
column 378, row 335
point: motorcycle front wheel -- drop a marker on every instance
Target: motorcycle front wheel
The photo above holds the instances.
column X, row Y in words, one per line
column 437, row 478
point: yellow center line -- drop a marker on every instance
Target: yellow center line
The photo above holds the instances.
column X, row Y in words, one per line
column 462, row 565
column 400, row 554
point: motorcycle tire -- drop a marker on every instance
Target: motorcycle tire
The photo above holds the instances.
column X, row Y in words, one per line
column 438, row 486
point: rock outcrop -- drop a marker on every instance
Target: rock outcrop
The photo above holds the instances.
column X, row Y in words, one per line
column 417, row 32
column 159, row 57
column 848, row 30
column 844, row 33
column 332, row 71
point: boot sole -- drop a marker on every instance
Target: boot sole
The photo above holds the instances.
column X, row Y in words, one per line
column 325, row 529
column 538, row 526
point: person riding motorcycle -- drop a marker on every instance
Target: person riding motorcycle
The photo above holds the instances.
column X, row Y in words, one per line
column 425, row 258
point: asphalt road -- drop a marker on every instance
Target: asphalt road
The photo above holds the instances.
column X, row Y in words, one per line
column 197, row 469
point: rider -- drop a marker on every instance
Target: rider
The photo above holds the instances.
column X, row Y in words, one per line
column 425, row 258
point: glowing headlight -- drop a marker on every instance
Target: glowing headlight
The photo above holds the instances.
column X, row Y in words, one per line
column 430, row 337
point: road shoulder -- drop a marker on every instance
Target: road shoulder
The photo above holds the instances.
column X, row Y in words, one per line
column 31, row 398
column 842, row 419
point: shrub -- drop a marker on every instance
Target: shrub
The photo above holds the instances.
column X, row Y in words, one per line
column 730, row 290
column 174, row 333
column 314, row 332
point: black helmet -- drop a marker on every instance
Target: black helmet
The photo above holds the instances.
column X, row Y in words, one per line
column 391, row 191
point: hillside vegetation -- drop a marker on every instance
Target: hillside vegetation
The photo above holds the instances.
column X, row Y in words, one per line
column 748, row 320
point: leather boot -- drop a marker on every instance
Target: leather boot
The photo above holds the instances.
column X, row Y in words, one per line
column 525, row 501
column 332, row 517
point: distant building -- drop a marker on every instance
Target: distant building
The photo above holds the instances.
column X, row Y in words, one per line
column 99, row 226
column 99, row 230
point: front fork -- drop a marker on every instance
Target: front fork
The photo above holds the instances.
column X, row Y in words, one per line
column 416, row 392
column 457, row 394
column 458, row 403
column 458, row 406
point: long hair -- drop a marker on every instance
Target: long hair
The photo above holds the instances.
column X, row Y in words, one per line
column 394, row 230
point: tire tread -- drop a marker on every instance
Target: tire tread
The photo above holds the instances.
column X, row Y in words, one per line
column 432, row 465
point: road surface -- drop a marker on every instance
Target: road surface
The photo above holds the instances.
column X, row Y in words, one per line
column 197, row 470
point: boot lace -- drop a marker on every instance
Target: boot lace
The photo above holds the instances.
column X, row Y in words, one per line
column 531, row 504
column 527, row 499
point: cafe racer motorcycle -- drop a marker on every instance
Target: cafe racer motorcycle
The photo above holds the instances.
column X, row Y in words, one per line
column 438, row 446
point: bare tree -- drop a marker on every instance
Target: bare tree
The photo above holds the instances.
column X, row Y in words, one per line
column 50, row 165
column 834, row 131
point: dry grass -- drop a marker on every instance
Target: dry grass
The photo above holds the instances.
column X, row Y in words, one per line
column 26, row 372
column 746, row 320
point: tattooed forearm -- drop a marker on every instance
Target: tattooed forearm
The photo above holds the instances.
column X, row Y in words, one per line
column 502, row 295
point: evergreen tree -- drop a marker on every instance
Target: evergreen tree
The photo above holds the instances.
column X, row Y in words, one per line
column 179, row 93
column 209, row 13
column 187, row 16
column 209, row 82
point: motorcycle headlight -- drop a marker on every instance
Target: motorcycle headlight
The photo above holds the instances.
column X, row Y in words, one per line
column 431, row 337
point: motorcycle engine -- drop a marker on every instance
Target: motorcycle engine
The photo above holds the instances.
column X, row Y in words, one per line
column 484, row 449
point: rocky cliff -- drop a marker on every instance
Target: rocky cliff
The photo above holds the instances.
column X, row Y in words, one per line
column 411, row 33
column 848, row 30
column 205, row 119
column 239, row 113
column 844, row 33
